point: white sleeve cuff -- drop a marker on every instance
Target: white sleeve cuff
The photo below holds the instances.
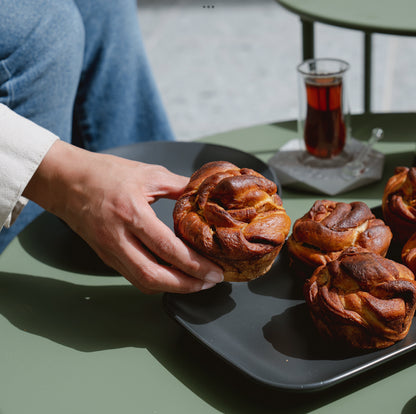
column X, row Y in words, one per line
column 23, row 145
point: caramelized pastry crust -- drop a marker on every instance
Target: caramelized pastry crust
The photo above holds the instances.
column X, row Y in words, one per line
column 399, row 203
column 409, row 253
column 362, row 299
column 234, row 217
column 330, row 227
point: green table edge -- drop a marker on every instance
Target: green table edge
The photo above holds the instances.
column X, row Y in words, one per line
column 316, row 11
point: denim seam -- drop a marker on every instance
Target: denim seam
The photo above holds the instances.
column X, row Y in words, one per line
column 9, row 86
column 82, row 123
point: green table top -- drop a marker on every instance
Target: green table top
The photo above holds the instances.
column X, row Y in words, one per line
column 75, row 339
column 381, row 16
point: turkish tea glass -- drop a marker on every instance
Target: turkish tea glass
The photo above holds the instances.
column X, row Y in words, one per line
column 324, row 116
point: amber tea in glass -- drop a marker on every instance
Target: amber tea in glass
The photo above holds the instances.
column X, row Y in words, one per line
column 323, row 111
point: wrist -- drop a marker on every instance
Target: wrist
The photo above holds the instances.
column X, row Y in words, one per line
column 62, row 169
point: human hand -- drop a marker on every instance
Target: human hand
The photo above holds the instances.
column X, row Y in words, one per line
column 106, row 200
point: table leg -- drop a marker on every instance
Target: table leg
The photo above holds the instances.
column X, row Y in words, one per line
column 367, row 71
column 308, row 39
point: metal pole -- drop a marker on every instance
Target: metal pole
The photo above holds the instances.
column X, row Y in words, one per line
column 367, row 71
column 308, row 39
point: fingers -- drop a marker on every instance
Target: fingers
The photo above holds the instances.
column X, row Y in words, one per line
column 161, row 182
column 159, row 238
column 151, row 277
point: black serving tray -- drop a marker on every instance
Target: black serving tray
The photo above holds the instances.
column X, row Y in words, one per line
column 261, row 327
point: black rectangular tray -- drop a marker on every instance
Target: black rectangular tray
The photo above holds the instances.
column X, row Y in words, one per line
column 263, row 328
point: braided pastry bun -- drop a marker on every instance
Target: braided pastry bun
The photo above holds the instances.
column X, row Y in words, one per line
column 409, row 253
column 362, row 299
column 399, row 203
column 330, row 227
column 234, row 217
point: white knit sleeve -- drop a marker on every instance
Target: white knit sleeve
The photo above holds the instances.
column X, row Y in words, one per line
column 23, row 144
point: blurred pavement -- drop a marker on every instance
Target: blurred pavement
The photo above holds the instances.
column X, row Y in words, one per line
column 233, row 64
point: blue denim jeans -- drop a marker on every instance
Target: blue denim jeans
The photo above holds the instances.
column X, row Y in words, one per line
column 79, row 69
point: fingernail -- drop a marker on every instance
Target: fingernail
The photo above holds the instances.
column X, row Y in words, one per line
column 214, row 277
column 207, row 285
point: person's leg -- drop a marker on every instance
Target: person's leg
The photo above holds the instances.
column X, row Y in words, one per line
column 41, row 55
column 43, row 51
column 117, row 102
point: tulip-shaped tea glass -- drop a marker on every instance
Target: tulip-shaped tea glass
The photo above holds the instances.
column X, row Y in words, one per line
column 324, row 118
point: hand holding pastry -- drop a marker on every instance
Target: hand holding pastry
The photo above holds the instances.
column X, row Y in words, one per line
column 106, row 200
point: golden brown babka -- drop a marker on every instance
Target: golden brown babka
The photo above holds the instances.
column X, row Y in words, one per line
column 362, row 299
column 409, row 253
column 234, row 217
column 399, row 203
column 329, row 228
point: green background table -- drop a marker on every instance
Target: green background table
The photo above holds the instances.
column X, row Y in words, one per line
column 75, row 339
column 370, row 16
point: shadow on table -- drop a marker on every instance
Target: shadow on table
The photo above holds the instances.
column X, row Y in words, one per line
column 85, row 318
column 95, row 318
column 51, row 241
column 410, row 407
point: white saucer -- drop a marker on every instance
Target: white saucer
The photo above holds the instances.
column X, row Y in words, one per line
column 290, row 170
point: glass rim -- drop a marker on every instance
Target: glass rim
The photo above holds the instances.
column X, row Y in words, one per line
column 344, row 66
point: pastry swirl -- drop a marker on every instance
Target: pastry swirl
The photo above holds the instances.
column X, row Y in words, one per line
column 234, row 217
column 330, row 227
column 399, row 203
column 409, row 253
column 362, row 299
